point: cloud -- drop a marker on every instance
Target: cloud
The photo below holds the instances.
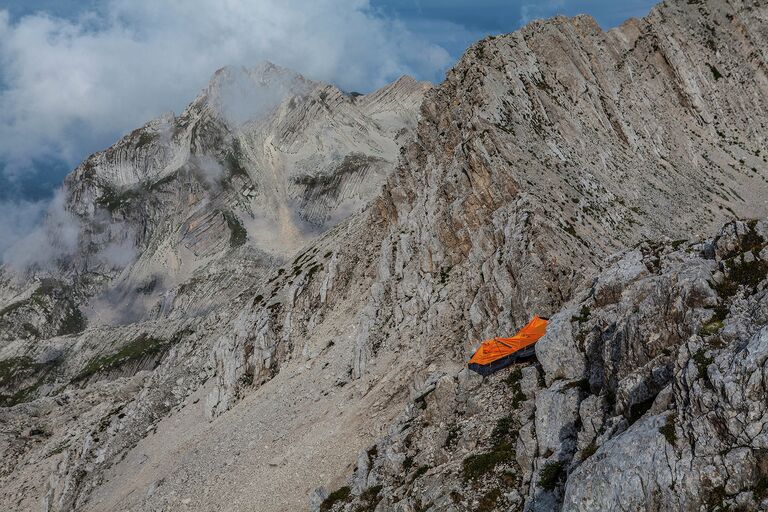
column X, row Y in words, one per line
column 246, row 94
column 68, row 87
column 18, row 219
column 118, row 253
column 27, row 248
column 71, row 86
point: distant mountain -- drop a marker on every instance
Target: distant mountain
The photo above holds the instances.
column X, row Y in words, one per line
column 261, row 162
column 268, row 302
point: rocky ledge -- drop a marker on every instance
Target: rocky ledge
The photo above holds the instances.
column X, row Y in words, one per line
column 648, row 392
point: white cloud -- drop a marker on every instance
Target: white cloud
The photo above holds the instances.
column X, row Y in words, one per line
column 24, row 248
column 70, row 86
column 18, row 218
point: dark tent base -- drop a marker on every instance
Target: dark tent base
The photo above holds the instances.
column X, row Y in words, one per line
column 520, row 356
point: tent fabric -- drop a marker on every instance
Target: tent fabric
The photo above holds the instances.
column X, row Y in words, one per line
column 498, row 353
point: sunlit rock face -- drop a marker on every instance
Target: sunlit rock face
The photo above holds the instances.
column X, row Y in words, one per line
column 263, row 158
column 278, row 289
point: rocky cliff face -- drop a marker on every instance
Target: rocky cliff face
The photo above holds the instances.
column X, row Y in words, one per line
column 646, row 395
column 262, row 162
column 342, row 364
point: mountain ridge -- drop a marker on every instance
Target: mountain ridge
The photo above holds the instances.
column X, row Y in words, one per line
column 542, row 153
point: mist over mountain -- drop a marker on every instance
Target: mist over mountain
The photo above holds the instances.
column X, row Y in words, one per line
column 79, row 77
column 63, row 95
column 268, row 300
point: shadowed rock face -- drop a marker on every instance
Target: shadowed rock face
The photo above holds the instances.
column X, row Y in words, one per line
column 258, row 317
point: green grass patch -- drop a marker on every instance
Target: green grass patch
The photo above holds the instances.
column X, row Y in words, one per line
column 711, row 328
column 369, row 498
column 74, row 322
column 169, row 178
column 748, row 274
column 420, row 472
column 20, row 396
column 720, row 312
column 13, row 367
column 668, row 429
column 552, row 475
column 38, row 298
column 702, row 363
column 141, row 347
column 340, row 495
column 475, row 466
column 516, row 396
column 113, row 200
column 489, row 501
column 503, row 430
column 233, row 161
column 17, row 369
column 514, row 377
column 238, row 234
column 583, row 315
column 145, row 138
column 749, row 241
column 739, row 273
column 322, row 184
column 676, row 244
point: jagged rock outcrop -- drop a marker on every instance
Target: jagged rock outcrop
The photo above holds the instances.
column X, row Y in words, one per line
column 667, row 413
column 503, row 184
column 544, row 152
column 701, row 443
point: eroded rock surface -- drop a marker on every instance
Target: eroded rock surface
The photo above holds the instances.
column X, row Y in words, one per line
column 667, row 414
column 290, row 334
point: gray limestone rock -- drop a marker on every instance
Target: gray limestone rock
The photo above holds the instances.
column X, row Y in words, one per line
column 557, row 350
column 308, row 285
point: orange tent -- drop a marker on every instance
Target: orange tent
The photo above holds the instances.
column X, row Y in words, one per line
column 498, row 353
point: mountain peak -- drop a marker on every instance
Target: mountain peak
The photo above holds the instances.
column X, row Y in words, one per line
column 241, row 94
column 346, row 253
